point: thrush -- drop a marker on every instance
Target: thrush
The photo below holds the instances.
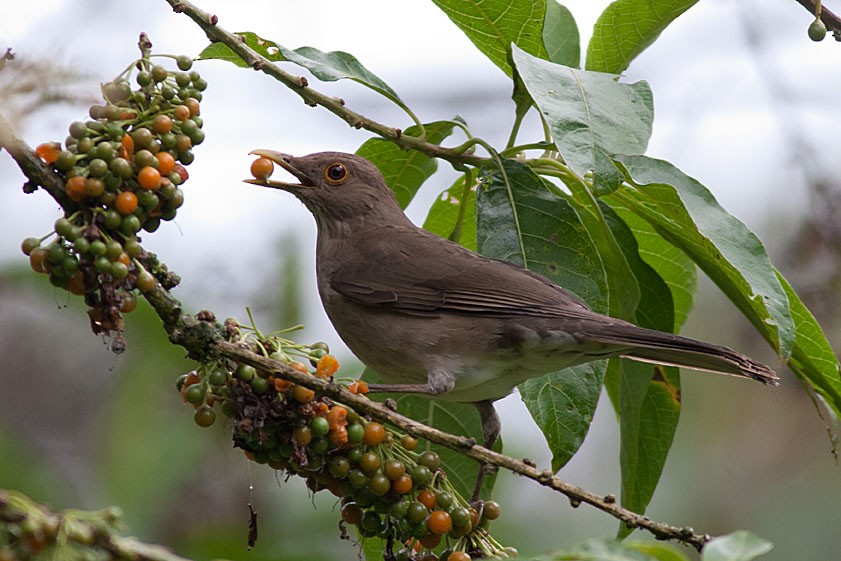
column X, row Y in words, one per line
column 434, row 318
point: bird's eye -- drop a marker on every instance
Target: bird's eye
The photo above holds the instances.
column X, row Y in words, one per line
column 335, row 173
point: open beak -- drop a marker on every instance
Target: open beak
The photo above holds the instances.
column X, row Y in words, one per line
column 286, row 162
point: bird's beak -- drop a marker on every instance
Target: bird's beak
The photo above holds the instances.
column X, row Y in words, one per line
column 286, row 162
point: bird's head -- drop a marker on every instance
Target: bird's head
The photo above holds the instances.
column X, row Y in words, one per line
column 337, row 188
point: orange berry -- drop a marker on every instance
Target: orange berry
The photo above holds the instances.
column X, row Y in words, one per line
column 75, row 188
column 262, row 168
column 302, row 394
column 166, row 163
column 337, row 416
column 193, row 105
column 38, row 260
column 129, row 304
column 181, row 113
column 439, row 522
column 321, row 408
column 149, row 178
column 126, row 203
column 458, row 556
column 338, row 436
column 403, row 484
column 281, row 385
column 374, row 434
column 299, row 366
column 358, row 387
column 248, row 455
column 126, row 146
column 162, row 124
column 326, row 366
column 427, row 498
column 124, row 259
column 48, row 151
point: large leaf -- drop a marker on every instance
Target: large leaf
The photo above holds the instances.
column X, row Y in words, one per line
column 522, row 221
column 738, row 546
column 405, row 170
column 453, row 418
column 686, row 214
column 492, row 25
column 560, row 35
column 443, row 217
column 327, row 67
column 628, row 27
column 590, row 114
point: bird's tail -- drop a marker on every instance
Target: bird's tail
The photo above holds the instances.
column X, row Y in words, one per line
column 674, row 350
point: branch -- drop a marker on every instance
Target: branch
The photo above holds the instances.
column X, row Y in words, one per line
column 204, row 339
column 830, row 20
column 299, row 85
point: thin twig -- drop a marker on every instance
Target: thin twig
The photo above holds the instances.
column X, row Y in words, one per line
column 311, row 96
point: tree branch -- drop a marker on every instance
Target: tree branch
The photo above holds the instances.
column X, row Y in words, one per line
column 830, row 19
column 204, row 339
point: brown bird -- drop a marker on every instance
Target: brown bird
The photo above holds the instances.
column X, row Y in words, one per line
column 434, row 318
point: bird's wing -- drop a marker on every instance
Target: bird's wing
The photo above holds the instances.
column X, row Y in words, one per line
column 423, row 274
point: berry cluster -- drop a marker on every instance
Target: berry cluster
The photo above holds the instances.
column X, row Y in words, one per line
column 388, row 488
column 123, row 168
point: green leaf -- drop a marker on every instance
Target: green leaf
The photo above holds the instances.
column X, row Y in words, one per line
column 686, row 214
column 562, row 404
column 451, row 417
column 405, row 171
column 522, row 221
column 590, row 114
column 492, row 25
column 443, row 214
column 737, row 546
column 657, row 550
column 673, row 266
column 626, row 28
column 327, row 67
column 812, row 359
column 560, row 35
column 598, row 550
column 373, row 549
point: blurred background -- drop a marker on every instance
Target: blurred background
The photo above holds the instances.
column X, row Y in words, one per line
column 744, row 102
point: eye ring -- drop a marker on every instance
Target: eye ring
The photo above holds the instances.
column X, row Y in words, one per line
column 336, row 173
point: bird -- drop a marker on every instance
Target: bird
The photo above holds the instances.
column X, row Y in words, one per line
column 434, row 318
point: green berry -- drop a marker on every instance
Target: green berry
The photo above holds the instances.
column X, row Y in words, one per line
column 111, row 219
column 259, row 385
column 421, row 475
column 246, row 372
column 430, row 459
column 416, row 512
column 195, row 394
column 204, row 416
column 184, row 63
column 355, row 433
column 130, row 225
column 118, row 270
column 217, row 377
column 817, row 30
column 81, row 245
column 29, row 244
column 320, row 426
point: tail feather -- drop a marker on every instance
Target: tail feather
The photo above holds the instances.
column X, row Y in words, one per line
column 674, row 350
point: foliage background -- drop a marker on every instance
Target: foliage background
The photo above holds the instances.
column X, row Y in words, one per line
column 743, row 102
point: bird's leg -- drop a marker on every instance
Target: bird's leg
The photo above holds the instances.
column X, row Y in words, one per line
column 490, row 432
column 438, row 381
